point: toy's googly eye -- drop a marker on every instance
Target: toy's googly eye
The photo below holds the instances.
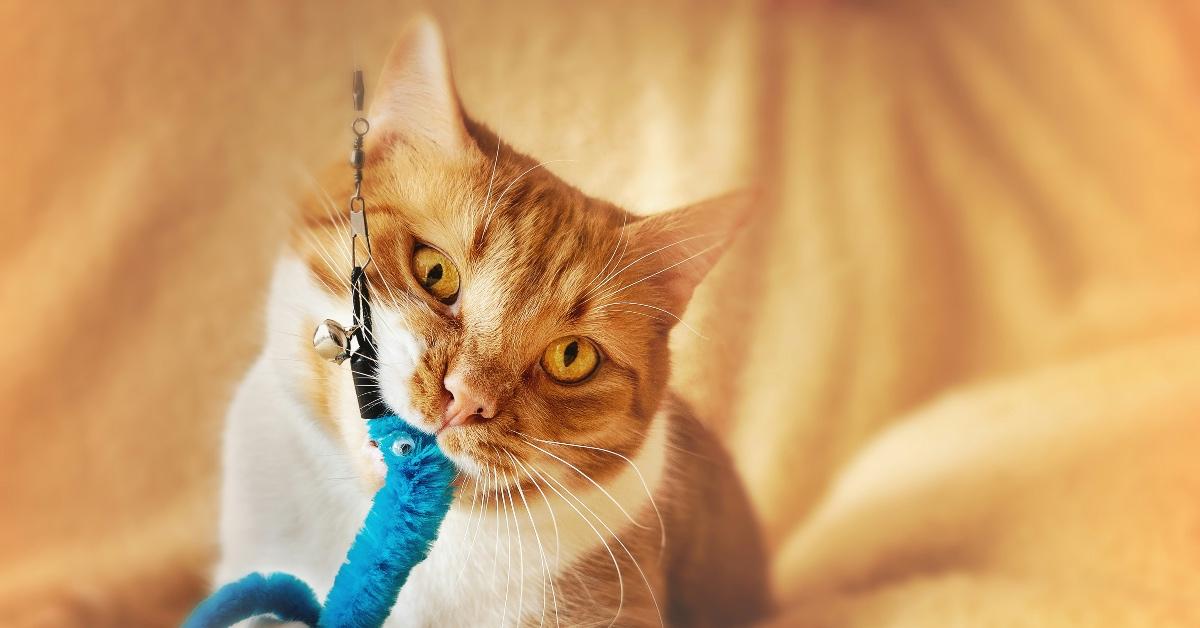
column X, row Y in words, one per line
column 403, row 446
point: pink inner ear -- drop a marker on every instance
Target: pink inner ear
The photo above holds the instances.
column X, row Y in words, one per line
column 415, row 95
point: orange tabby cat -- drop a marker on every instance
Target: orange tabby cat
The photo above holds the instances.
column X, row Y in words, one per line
column 525, row 324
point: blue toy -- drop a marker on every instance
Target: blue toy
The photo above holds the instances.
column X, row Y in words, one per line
column 399, row 530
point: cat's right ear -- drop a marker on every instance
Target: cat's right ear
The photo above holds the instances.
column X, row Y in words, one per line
column 415, row 100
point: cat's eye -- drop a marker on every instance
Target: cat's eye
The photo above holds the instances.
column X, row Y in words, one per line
column 435, row 273
column 570, row 359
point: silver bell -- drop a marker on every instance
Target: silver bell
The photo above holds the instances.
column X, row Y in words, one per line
column 332, row 341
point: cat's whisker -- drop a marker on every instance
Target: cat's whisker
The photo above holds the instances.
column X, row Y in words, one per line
column 557, row 540
column 642, row 314
column 496, row 546
column 340, row 378
column 645, row 486
column 319, row 378
column 520, row 549
column 471, row 514
column 474, row 504
column 392, row 295
column 634, row 262
column 370, row 384
column 340, row 219
column 314, row 184
column 616, row 565
column 613, row 255
column 466, row 533
column 508, row 550
column 325, row 255
column 699, row 456
column 668, row 313
column 401, row 298
column 500, row 198
column 310, row 237
column 374, row 404
column 404, row 299
column 341, row 479
column 689, row 258
column 479, row 481
column 547, row 577
column 637, row 565
column 373, row 338
column 471, row 510
column 553, row 517
column 315, row 377
column 340, row 234
column 337, row 218
column 280, row 358
column 589, row 479
column 491, row 179
column 616, row 537
column 588, row 590
column 659, row 318
column 340, row 226
column 376, row 361
column 292, row 334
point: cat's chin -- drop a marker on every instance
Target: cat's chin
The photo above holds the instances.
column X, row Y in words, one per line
column 458, row 450
column 477, row 457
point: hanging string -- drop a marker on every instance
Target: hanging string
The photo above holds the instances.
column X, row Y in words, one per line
column 358, row 157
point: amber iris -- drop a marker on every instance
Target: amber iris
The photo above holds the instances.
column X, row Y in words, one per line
column 434, row 271
column 570, row 359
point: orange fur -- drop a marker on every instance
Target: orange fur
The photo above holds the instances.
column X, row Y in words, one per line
column 538, row 260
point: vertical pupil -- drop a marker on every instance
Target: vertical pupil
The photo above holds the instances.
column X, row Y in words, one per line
column 433, row 275
column 570, row 353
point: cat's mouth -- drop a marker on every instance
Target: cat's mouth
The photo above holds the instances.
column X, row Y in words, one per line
column 476, row 446
column 475, row 441
column 457, row 421
column 459, row 450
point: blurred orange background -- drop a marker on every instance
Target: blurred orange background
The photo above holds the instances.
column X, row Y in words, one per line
column 957, row 358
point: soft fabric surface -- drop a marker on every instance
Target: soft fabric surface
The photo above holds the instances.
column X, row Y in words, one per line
column 956, row 357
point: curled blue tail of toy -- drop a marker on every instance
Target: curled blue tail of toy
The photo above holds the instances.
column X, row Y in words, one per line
column 278, row 594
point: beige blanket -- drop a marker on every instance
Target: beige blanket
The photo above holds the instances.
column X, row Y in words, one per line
column 957, row 357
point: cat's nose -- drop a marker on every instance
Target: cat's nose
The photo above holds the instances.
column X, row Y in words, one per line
column 465, row 402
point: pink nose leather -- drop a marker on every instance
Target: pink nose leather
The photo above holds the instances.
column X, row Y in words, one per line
column 465, row 402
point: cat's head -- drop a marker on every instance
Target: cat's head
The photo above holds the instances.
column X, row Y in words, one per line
column 510, row 308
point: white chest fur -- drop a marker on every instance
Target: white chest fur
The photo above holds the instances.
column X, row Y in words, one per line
column 491, row 567
column 292, row 500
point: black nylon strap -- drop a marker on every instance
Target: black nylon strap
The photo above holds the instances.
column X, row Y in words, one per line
column 364, row 365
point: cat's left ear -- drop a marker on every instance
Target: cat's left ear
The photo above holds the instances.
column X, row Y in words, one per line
column 415, row 97
column 675, row 249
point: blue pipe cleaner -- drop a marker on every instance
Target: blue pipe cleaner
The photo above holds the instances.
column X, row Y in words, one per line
column 397, row 534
